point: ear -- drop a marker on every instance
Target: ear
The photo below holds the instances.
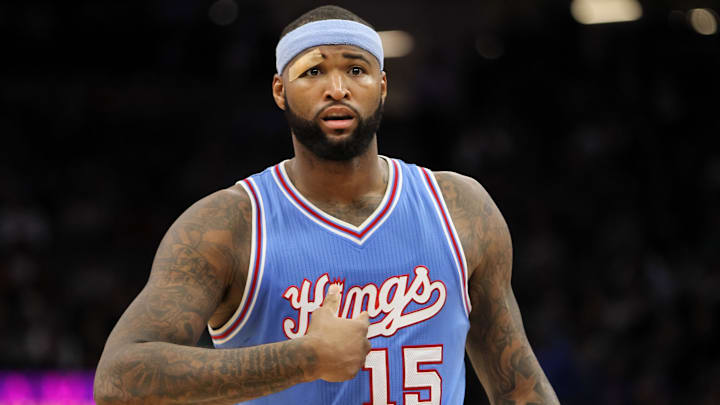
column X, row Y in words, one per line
column 278, row 89
column 383, row 86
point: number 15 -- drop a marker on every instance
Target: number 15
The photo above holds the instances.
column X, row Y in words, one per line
column 414, row 379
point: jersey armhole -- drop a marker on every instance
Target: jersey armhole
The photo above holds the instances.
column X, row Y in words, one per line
column 450, row 232
column 256, row 267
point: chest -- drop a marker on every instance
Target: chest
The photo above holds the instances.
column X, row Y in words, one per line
column 403, row 265
column 400, row 275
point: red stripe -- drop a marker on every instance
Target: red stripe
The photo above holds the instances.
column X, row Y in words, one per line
column 333, row 224
column 256, row 269
column 452, row 236
column 390, row 200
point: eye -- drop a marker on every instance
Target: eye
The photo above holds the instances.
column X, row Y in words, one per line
column 356, row 70
column 313, row 71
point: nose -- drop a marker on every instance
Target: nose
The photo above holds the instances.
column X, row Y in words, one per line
column 336, row 88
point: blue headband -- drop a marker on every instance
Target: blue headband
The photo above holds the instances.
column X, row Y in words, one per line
column 327, row 32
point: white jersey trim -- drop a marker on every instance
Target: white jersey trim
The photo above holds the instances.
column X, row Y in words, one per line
column 231, row 328
column 450, row 235
column 331, row 223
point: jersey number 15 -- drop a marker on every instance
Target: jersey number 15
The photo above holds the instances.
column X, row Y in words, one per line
column 414, row 379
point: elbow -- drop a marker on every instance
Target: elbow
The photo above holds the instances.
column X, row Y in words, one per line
column 110, row 386
column 103, row 393
column 107, row 388
column 101, row 399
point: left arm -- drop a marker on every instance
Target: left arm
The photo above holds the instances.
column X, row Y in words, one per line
column 497, row 346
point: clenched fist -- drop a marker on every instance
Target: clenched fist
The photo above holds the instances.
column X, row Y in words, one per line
column 340, row 344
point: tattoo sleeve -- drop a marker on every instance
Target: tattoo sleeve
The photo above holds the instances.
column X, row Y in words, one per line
column 497, row 346
column 150, row 355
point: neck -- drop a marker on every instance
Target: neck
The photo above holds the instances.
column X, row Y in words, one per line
column 339, row 182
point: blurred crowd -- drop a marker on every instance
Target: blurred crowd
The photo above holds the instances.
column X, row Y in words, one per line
column 599, row 145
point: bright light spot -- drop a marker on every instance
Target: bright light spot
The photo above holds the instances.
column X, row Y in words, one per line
column 223, row 12
column 703, row 20
column 605, row 11
column 396, row 44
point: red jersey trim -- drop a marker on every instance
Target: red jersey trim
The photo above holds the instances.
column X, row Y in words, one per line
column 455, row 243
column 358, row 233
column 255, row 269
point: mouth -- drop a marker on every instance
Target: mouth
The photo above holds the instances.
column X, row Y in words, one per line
column 338, row 122
column 337, row 118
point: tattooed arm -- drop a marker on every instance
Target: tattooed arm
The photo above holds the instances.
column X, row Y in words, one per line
column 149, row 356
column 497, row 345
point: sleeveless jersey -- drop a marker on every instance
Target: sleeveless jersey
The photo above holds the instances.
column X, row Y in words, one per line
column 404, row 265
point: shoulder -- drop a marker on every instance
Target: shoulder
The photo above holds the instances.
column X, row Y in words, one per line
column 477, row 219
column 465, row 197
column 459, row 186
column 225, row 207
column 216, row 229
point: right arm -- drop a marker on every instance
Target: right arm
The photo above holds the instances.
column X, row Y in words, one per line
column 149, row 356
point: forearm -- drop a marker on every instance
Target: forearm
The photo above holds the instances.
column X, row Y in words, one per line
column 157, row 372
column 509, row 369
column 520, row 381
column 497, row 345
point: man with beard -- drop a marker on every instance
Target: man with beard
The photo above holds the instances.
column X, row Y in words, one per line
column 401, row 268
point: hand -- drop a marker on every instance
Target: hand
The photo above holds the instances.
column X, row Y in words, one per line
column 341, row 345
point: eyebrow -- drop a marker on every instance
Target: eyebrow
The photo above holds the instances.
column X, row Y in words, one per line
column 355, row 56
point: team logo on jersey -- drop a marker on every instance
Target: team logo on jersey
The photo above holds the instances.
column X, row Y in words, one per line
column 389, row 300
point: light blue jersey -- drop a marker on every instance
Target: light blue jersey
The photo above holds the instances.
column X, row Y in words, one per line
column 404, row 265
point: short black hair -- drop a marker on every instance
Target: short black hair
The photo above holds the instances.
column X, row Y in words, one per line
column 324, row 13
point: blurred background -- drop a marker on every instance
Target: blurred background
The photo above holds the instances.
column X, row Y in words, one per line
column 592, row 123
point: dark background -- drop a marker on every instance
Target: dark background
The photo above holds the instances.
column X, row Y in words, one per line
column 598, row 143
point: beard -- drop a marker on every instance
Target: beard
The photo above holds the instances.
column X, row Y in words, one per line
column 323, row 146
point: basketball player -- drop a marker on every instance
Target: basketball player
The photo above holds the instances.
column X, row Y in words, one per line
column 402, row 269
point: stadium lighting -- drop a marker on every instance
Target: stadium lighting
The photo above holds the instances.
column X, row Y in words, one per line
column 396, row 44
column 605, row 11
column 703, row 20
